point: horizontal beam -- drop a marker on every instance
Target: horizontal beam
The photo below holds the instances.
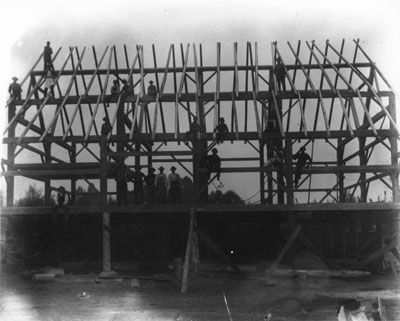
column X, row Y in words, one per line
column 93, row 169
column 170, row 137
column 209, row 96
column 124, row 71
column 361, row 208
column 158, row 153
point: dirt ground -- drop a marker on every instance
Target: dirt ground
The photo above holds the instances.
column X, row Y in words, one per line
column 248, row 299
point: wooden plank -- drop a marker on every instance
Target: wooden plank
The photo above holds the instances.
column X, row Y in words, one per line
column 188, row 252
column 325, row 114
column 30, row 94
column 372, row 89
column 235, row 117
column 259, row 210
column 349, row 126
column 333, row 66
column 164, row 80
column 354, row 112
column 374, row 65
column 278, row 114
column 39, row 111
column 269, row 272
column 259, row 131
column 377, row 254
column 64, row 100
column 218, row 251
column 9, row 101
column 236, row 70
column 256, row 66
column 134, row 118
column 321, row 273
column 176, row 118
column 289, row 77
column 366, row 113
column 153, row 133
column 321, row 67
column 218, row 81
column 77, row 106
column 303, row 118
column 184, row 71
column 309, row 80
column 101, row 96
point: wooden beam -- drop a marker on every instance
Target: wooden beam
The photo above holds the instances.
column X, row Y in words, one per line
column 269, row 272
column 77, row 106
column 377, row 254
column 188, row 252
column 218, row 251
column 383, row 209
column 59, row 109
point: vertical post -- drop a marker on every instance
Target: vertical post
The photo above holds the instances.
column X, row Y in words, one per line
column 121, row 183
column 47, row 182
column 363, row 176
column 10, row 156
column 73, row 180
column 106, row 216
column 393, row 151
column 188, row 252
column 262, row 173
column 289, row 170
column 340, row 176
column 200, row 179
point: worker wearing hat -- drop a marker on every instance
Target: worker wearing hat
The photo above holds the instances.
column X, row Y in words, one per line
column 151, row 89
column 161, row 186
column 15, row 89
column 106, row 128
column 150, row 180
column 280, row 74
column 214, row 164
column 47, row 52
column 303, row 160
column 61, row 194
column 114, row 90
column 221, row 130
column 174, row 187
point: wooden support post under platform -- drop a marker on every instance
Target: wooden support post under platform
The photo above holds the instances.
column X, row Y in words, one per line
column 289, row 170
column 188, row 252
column 340, row 176
column 394, row 148
column 10, row 156
column 269, row 272
column 363, row 176
column 203, row 236
column 372, row 257
column 262, row 174
column 107, row 272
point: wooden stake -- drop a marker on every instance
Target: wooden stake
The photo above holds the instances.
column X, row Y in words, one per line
column 270, row 271
column 188, row 252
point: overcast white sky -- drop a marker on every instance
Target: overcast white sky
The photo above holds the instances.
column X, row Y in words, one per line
column 27, row 25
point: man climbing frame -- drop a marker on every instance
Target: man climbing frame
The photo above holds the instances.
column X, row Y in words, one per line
column 303, row 160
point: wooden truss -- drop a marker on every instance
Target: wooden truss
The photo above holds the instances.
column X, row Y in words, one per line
column 336, row 102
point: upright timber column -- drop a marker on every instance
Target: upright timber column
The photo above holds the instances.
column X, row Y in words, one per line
column 289, row 170
column 106, row 273
column 10, row 157
column 394, row 152
column 262, row 173
column 47, row 182
column 340, row 176
column 363, row 163
column 121, row 182
column 200, row 150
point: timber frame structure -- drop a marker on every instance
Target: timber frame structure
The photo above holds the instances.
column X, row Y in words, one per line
column 337, row 102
